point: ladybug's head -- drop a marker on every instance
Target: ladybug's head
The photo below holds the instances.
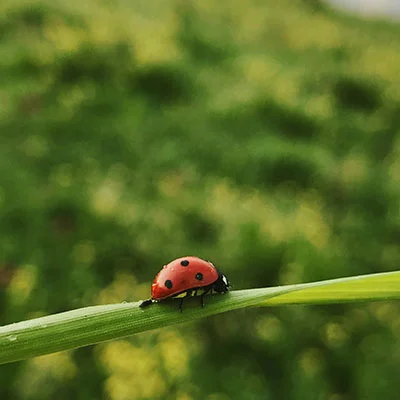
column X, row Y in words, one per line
column 221, row 285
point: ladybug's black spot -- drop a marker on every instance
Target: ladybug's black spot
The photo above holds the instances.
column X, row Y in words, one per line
column 184, row 263
column 199, row 276
column 168, row 284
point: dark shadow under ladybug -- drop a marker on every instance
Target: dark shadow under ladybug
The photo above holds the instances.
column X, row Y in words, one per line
column 191, row 276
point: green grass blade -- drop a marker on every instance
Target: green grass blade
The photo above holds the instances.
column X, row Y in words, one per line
column 384, row 286
column 96, row 324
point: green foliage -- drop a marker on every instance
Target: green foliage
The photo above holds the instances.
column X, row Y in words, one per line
column 263, row 136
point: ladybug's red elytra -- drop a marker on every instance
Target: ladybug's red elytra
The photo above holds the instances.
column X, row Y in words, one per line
column 185, row 277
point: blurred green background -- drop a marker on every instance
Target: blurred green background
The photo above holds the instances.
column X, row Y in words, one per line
column 262, row 135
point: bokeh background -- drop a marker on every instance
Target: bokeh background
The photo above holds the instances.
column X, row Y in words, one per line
column 262, row 135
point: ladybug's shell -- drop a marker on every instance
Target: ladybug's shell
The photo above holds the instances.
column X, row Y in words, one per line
column 183, row 277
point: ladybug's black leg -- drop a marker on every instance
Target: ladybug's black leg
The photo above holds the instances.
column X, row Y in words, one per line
column 145, row 303
column 180, row 304
column 202, row 297
column 188, row 294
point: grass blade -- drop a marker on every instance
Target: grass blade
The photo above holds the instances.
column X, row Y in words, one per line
column 384, row 286
column 90, row 325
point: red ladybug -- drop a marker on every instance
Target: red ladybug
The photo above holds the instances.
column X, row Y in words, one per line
column 184, row 277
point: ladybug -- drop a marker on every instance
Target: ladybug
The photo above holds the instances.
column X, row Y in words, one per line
column 185, row 277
